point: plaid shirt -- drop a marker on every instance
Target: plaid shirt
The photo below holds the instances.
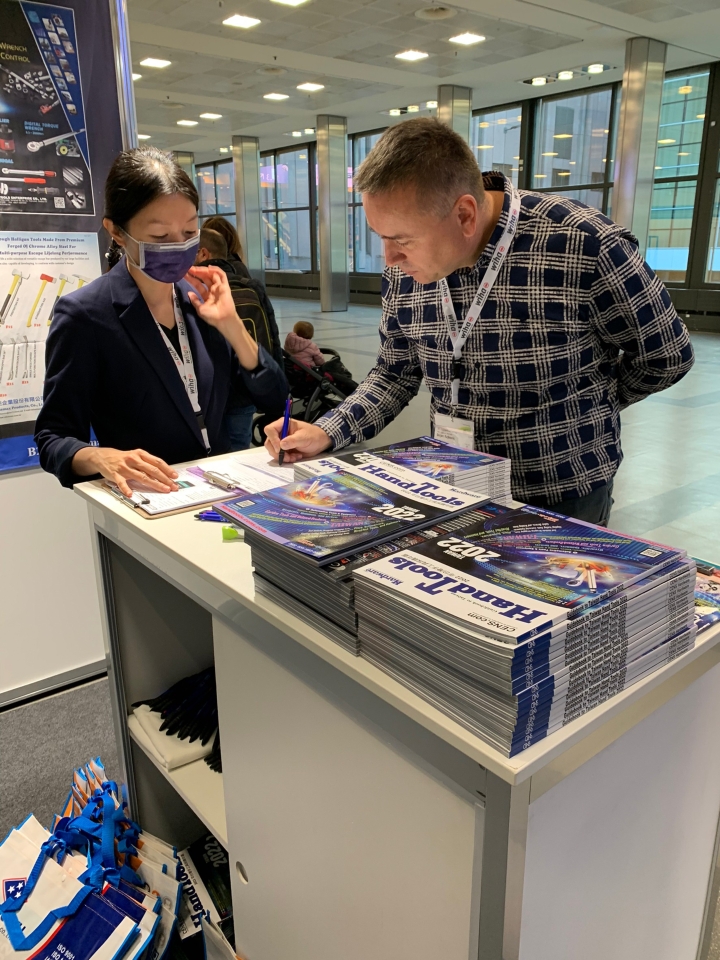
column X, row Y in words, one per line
column 576, row 327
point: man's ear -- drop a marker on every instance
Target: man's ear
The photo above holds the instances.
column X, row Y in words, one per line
column 466, row 208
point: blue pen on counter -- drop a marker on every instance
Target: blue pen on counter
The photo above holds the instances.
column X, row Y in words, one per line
column 285, row 428
column 210, row 515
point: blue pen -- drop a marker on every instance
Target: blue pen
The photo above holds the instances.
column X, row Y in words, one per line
column 210, row 515
column 285, row 428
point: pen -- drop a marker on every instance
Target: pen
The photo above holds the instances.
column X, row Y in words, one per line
column 285, row 427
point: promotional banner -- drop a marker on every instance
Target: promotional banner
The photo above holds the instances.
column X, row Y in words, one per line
column 59, row 133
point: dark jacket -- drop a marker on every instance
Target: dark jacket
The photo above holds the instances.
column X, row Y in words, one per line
column 108, row 368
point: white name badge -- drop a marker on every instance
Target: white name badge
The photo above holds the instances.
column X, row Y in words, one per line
column 455, row 430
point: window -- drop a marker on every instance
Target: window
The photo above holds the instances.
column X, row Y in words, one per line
column 216, row 187
column 574, row 146
column 285, row 199
column 366, row 249
column 682, row 114
column 495, row 140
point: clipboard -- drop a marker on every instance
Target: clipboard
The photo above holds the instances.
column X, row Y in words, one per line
column 137, row 507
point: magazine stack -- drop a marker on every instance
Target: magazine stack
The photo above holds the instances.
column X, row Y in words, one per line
column 483, row 474
column 519, row 620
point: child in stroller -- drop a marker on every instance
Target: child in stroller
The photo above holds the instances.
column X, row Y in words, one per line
column 317, row 385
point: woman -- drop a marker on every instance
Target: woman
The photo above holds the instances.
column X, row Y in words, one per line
column 147, row 355
column 230, row 235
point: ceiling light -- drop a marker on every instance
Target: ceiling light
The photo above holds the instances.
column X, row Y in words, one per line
column 311, row 87
column 565, row 75
column 296, row 133
column 466, row 39
column 549, row 154
column 562, row 136
column 700, row 116
column 394, row 111
column 483, row 124
column 238, row 20
column 144, row 136
column 683, row 154
column 540, row 176
column 685, row 89
column 309, row 130
column 275, row 96
column 290, row 3
column 485, row 146
column 596, row 68
column 432, row 105
column 572, row 162
column 658, row 168
column 562, row 173
column 211, row 116
column 413, row 108
column 223, row 149
column 538, row 81
column 519, row 118
column 516, row 158
column 187, row 123
column 154, row 62
column 137, row 76
column 411, row 55
column 501, row 120
column 667, row 140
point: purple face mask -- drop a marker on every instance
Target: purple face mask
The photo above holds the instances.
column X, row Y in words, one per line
column 165, row 262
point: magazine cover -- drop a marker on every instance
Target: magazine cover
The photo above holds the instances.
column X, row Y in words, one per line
column 431, row 457
column 326, row 517
column 707, row 595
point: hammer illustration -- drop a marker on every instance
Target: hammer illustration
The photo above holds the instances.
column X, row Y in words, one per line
column 63, row 280
column 18, row 277
column 81, row 279
column 45, row 281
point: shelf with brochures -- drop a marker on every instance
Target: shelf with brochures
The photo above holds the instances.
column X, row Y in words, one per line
column 199, row 786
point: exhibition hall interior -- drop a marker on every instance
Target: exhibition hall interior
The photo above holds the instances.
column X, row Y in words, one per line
column 435, row 671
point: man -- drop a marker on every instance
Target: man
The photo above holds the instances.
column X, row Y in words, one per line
column 239, row 414
column 575, row 327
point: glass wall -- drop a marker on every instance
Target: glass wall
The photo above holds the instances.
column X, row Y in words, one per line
column 682, row 116
column 366, row 249
column 495, row 140
column 572, row 143
column 285, row 199
column 216, row 186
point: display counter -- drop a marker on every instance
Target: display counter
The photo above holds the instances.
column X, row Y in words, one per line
column 363, row 823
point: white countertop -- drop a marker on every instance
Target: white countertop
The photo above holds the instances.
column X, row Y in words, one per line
column 192, row 555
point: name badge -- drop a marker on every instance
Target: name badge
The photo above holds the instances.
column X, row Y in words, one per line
column 455, row 430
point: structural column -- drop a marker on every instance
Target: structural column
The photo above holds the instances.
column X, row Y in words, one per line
column 638, row 135
column 333, row 211
column 123, row 73
column 248, row 215
column 455, row 108
column 186, row 161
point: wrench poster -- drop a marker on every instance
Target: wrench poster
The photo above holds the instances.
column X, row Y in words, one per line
column 44, row 155
column 36, row 270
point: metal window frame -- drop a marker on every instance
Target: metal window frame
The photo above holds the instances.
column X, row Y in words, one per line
column 310, row 207
column 353, row 204
column 214, row 164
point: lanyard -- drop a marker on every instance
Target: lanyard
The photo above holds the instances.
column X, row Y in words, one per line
column 186, row 368
column 459, row 335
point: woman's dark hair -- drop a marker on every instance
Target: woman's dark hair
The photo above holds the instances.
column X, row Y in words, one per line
column 136, row 178
column 228, row 231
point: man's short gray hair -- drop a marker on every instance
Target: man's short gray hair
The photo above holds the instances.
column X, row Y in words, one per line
column 425, row 154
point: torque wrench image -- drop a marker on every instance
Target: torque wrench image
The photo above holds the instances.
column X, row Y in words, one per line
column 28, row 173
column 35, row 145
column 18, row 277
column 45, row 281
column 63, row 280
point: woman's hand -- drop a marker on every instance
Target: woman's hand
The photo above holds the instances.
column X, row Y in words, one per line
column 214, row 304
column 119, row 466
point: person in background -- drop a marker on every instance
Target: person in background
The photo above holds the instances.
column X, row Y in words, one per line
column 251, row 300
column 234, row 248
column 127, row 356
column 299, row 344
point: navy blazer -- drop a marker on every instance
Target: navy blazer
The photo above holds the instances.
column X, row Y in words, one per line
column 107, row 367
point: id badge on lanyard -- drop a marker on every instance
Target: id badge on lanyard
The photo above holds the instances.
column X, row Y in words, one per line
column 186, row 368
column 453, row 429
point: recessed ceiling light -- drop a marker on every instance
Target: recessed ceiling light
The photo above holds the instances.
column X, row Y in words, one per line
column 686, row 89
column 596, row 68
column 154, row 62
column 658, row 168
column 275, row 96
column 549, row 154
column 394, row 111
column 431, row 105
column 516, row 158
column 309, row 130
column 501, row 120
column 538, row 81
column 485, row 146
column 700, row 116
column 413, row 108
column 667, row 140
column 187, row 123
column 466, row 39
column 223, row 149
column 296, row 133
column 211, row 116
column 683, row 154
column 411, row 55
column 562, row 173
column 238, row 20
column 562, row 136
column 540, row 176
column 137, row 76
column 483, row 124
column 311, row 87
column 144, row 136
column 565, row 75
column 289, row 3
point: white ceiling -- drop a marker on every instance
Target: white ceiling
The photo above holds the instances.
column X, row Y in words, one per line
column 350, row 46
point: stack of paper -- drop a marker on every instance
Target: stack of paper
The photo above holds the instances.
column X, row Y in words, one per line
column 482, row 473
column 707, row 595
column 520, row 620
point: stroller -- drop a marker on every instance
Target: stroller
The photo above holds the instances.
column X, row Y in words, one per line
column 314, row 390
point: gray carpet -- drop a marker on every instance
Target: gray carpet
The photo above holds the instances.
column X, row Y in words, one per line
column 40, row 744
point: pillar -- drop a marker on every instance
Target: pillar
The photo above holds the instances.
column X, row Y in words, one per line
column 638, row 135
column 248, row 215
column 123, row 73
column 455, row 108
column 333, row 211
column 186, row 161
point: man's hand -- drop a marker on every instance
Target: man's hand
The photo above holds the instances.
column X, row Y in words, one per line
column 304, row 440
column 119, row 466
